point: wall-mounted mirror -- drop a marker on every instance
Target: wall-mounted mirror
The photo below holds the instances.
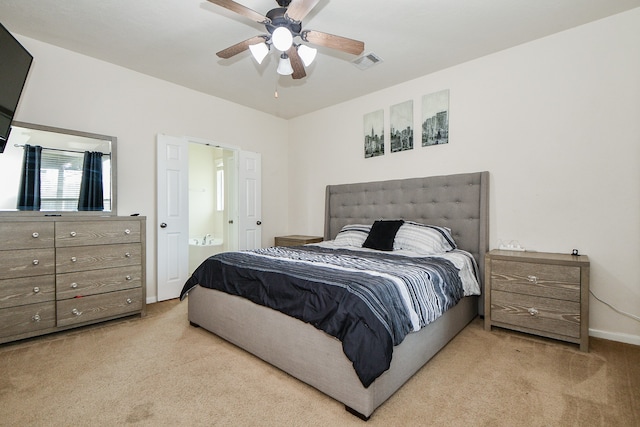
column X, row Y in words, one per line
column 47, row 170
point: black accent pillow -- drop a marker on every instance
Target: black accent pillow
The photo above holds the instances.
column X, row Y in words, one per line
column 382, row 234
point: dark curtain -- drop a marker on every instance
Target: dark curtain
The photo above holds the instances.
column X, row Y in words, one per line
column 91, row 194
column 29, row 195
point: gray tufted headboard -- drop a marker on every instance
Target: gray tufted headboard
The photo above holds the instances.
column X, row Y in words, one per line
column 460, row 202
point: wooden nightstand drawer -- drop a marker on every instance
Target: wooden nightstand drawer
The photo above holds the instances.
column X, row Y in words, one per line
column 551, row 281
column 538, row 293
column 296, row 240
column 549, row 315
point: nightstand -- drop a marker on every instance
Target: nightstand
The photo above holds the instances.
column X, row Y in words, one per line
column 296, row 240
column 545, row 294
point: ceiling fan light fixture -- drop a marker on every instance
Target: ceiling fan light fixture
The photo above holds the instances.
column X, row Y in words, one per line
column 282, row 39
column 284, row 66
column 307, row 54
column 259, row 51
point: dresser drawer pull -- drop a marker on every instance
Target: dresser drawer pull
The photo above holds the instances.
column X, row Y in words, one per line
column 127, row 255
column 74, row 259
column 532, row 279
column 36, row 318
column 127, row 231
column 36, row 262
column 35, row 235
column 74, row 285
column 36, row 290
column 532, row 311
column 128, row 277
column 76, row 312
column 129, row 301
column 73, row 234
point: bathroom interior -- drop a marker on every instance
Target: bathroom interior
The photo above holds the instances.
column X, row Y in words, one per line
column 212, row 202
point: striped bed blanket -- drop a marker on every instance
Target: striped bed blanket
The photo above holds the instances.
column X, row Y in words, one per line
column 369, row 300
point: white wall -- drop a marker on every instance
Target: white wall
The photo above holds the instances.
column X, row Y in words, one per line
column 555, row 121
column 72, row 91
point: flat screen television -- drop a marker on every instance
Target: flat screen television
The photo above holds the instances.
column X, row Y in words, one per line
column 15, row 62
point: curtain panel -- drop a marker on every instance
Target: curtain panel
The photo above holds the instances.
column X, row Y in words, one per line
column 91, row 192
column 29, row 194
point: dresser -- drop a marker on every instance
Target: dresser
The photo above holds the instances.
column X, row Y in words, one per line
column 296, row 240
column 545, row 294
column 58, row 273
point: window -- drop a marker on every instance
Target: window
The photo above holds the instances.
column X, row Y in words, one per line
column 61, row 175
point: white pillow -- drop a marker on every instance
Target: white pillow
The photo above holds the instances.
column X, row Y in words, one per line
column 352, row 235
column 423, row 239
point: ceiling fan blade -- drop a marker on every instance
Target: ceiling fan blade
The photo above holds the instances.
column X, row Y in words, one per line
column 242, row 10
column 239, row 47
column 344, row 44
column 296, row 63
column 298, row 9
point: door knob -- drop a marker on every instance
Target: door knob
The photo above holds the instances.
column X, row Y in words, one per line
column 163, row 225
column 258, row 222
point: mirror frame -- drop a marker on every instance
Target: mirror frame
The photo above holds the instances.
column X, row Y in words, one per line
column 114, row 176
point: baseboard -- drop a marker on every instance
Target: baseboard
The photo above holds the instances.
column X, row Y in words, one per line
column 614, row 336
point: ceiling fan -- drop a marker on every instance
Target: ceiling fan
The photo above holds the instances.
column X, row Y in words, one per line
column 283, row 25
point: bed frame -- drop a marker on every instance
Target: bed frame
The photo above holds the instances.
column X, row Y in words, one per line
column 459, row 202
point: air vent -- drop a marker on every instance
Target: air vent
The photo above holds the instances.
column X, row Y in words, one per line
column 366, row 61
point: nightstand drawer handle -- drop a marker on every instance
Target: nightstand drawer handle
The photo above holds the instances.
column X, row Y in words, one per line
column 36, row 262
column 127, row 231
column 76, row 312
column 532, row 279
column 532, row 311
column 129, row 300
column 73, row 234
column 35, row 235
column 128, row 277
column 36, row 318
column 74, row 285
column 36, row 290
column 74, row 259
column 127, row 255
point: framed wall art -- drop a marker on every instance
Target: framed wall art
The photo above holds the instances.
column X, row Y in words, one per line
column 401, row 126
column 435, row 118
column 374, row 134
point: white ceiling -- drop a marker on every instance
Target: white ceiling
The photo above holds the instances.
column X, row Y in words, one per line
column 176, row 40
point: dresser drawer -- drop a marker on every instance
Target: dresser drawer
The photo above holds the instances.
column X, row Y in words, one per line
column 27, row 290
column 84, row 258
column 99, row 307
column 84, row 283
column 83, row 233
column 26, row 262
column 532, row 312
column 24, row 319
column 548, row 280
column 26, row 235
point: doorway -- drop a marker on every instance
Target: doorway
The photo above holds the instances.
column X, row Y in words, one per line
column 226, row 217
column 212, row 202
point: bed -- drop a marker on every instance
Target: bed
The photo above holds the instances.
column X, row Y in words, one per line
column 458, row 202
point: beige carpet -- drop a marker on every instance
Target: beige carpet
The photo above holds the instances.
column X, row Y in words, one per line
column 158, row 370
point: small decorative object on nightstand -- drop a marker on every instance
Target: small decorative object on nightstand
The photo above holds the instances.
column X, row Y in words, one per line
column 296, row 240
column 540, row 293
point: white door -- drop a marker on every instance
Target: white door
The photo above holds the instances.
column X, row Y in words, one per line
column 172, row 215
column 250, row 201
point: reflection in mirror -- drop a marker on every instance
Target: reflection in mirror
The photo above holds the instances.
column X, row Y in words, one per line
column 52, row 170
